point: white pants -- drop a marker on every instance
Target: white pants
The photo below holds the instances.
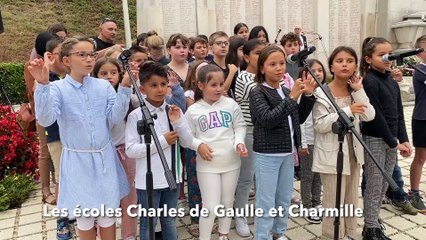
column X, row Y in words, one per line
column 216, row 188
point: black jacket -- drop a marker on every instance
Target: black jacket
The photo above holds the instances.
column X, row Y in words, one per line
column 385, row 96
column 269, row 114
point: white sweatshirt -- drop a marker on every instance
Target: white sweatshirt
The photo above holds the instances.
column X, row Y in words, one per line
column 221, row 126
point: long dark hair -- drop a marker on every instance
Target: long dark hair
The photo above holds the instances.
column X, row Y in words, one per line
column 260, row 77
column 255, row 32
column 368, row 47
column 238, row 26
column 204, row 76
column 232, row 56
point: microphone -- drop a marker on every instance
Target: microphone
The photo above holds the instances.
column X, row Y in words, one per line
column 276, row 38
column 387, row 58
column 300, row 55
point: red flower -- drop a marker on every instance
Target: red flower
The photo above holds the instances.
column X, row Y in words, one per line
column 18, row 148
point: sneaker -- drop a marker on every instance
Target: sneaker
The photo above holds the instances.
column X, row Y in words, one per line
column 313, row 219
column 416, row 201
column 374, row 234
column 223, row 237
column 242, row 227
column 281, row 238
column 63, row 231
column 130, row 238
column 405, row 206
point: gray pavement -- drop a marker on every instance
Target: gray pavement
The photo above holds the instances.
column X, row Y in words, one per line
column 28, row 221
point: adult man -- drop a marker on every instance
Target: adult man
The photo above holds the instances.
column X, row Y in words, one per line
column 106, row 37
column 299, row 33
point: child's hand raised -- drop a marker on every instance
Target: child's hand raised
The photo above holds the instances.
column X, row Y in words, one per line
column 297, row 89
column 40, row 68
column 355, row 82
column 310, row 83
column 205, row 152
column 242, row 150
column 174, row 113
column 134, row 67
column 171, row 137
column 173, row 78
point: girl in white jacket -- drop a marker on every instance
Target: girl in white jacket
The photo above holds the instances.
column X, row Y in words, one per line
column 348, row 92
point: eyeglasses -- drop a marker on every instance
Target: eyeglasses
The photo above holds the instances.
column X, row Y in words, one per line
column 222, row 43
column 83, row 55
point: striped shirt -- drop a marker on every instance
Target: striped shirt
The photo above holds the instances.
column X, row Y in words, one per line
column 243, row 86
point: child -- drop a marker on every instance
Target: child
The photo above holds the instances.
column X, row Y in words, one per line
column 169, row 125
column 194, row 195
column 58, row 71
column 219, row 45
column 242, row 30
column 243, row 86
column 155, row 45
column 219, row 129
column 110, row 70
column 198, row 48
column 291, row 45
column 385, row 134
column 139, row 55
column 310, row 183
column 347, row 90
column 276, row 136
column 419, row 126
column 260, row 33
column 91, row 175
column 235, row 55
column 177, row 48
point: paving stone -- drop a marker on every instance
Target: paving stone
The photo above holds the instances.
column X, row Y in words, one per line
column 51, row 224
column 51, row 235
column 8, row 214
column 385, row 213
column 299, row 220
column 389, row 230
column 399, row 223
column 316, row 229
column 31, row 237
column 401, row 236
column 6, row 233
column 33, row 228
column 417, row 233
column 419, row 219
column 7, row 223
column 31, row 209
column 292, row 224
column 31, row 218
column 32, row 201
column 299, row 234
column 183, row 233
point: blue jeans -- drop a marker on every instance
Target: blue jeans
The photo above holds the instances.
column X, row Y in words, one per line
column 274, row 188
column 161, row 197
column 399, row 195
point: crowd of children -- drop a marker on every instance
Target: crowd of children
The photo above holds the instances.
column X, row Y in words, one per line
column 230, row 112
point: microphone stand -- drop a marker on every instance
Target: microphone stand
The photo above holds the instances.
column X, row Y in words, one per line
column 278, row 34
column 146, row 127
column 341, row 127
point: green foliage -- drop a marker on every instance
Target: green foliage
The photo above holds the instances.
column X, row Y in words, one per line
column 23, row 19
column 14, row 190
column 13, row 83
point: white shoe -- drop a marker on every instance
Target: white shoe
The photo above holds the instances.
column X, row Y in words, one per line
column 130, row 238
column 242, row 227
column 282, row 238
column 223, row 237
